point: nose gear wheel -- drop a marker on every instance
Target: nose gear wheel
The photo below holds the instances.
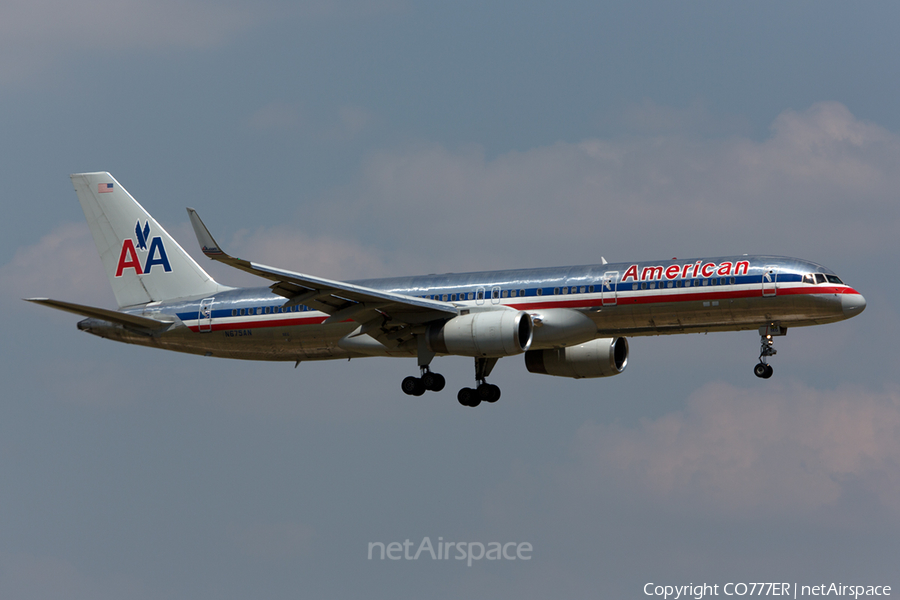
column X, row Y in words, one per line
column 763, row 369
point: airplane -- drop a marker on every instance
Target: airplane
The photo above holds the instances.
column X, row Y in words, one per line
column 567, row 321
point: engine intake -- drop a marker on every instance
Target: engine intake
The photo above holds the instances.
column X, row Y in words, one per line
column 491, row 333
column 597, row 358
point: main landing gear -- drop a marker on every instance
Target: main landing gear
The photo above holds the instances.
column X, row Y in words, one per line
column 434, row 382
column 429, row 381
column 485, row 392
column 763, row 369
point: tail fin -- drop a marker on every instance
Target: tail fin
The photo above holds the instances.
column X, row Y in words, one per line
column 143, row 262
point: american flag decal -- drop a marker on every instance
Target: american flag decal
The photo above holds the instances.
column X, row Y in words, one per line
column 103, row 188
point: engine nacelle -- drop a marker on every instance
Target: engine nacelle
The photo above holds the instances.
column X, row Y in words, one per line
column 559, row 327
column 491, row 333
column 597, row 358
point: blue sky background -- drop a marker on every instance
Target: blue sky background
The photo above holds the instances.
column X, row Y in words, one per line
column 355, row 139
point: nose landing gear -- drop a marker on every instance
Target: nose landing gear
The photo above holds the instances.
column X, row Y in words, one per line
column 763, row 369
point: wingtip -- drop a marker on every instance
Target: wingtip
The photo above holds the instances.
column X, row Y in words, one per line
column 207, row 243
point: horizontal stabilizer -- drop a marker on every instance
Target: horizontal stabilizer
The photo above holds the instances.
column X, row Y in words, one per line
column 113, row 316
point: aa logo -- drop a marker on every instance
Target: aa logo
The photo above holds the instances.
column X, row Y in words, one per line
column 154, row 255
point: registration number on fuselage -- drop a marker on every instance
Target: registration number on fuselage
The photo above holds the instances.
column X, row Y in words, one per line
column 238, row 333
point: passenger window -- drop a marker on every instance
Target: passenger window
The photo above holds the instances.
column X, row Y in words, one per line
column 540, row 291
column 521, row 292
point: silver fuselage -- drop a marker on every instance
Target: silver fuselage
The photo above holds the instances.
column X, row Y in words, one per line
column 624, row 299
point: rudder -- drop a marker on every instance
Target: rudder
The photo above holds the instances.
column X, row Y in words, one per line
column 143, row 262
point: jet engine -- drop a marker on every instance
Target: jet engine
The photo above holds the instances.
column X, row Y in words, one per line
column 491, row 333
column 597, row 358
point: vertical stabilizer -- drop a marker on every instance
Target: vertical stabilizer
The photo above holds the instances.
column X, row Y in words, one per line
column 143, row 262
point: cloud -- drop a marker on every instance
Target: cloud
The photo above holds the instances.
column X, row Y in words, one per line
column 786, row 451
column 325, row 256
column 63, row 264
column 821, row 170
column 35, row 33
column 651, row 118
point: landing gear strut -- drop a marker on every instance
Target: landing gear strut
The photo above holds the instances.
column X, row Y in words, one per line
column 763, row 369
column 484, row 392
column 429, row 381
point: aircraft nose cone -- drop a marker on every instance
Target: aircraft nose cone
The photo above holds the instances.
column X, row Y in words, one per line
column 852, row 303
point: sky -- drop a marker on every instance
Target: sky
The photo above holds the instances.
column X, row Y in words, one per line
column 356, row 139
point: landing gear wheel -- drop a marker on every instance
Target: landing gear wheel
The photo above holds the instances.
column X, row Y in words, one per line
column 433, row 382
column 763, row 371
column 488, row 392
column 413, row 386
column 468, row 397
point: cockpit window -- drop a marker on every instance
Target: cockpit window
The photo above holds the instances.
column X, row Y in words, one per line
column 820, row 278
column 808, row 278
column 834, row 279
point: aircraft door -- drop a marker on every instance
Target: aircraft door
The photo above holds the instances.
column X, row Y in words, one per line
column 770, row 281
column 204, row 319
column 608, row 295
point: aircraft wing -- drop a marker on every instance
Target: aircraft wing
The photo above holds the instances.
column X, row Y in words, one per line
column 113, row 316
column 339, row 300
